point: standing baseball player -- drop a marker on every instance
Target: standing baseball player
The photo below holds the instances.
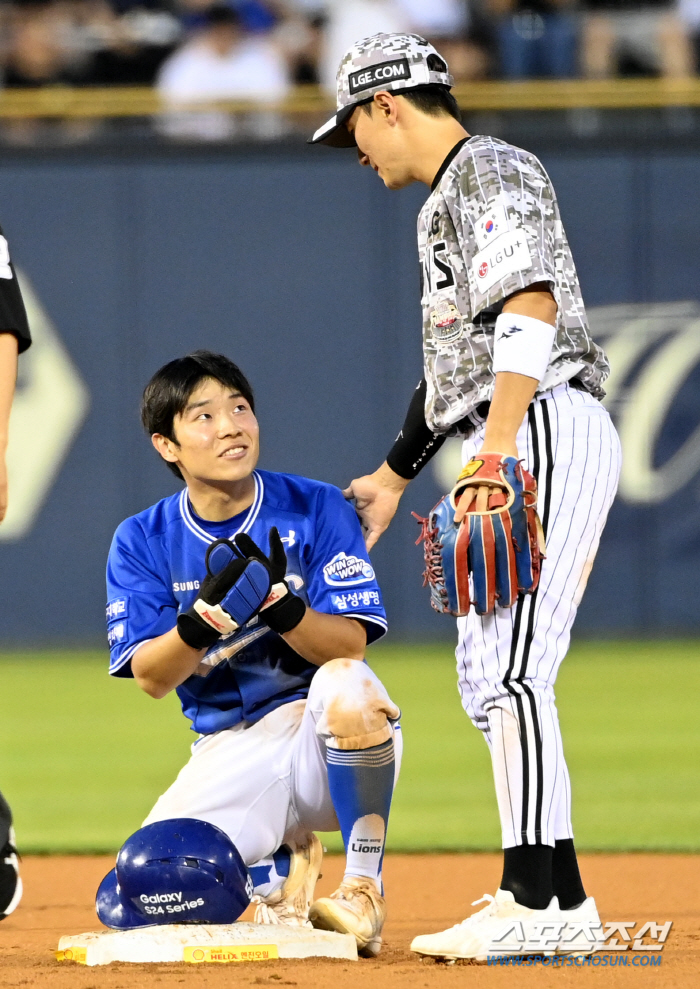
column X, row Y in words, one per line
column 251, row 594
column 14, row 339
column 510, row 365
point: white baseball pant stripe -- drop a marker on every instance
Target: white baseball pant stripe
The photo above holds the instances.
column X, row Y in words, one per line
column 507, row 662
column 268, row 781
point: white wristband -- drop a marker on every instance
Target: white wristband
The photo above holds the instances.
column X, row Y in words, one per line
column 522, row 344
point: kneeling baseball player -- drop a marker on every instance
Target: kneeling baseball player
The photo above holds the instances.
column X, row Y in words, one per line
column 251, row 594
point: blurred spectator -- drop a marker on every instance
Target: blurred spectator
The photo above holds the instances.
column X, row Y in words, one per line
column 254, row 16
column 535, row 38
column 142, row 38
column 436, row 18
column 300, row 37
column 85, row 42
column 223, row 61
column 634, row 37
column 446, row 23
column 689, row 16
column 36, row 52
column 459, row 33
column 350, row 20
column 469, row 56
column 204, row 49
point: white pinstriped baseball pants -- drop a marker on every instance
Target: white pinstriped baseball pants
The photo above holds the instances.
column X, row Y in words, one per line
column 507, row 661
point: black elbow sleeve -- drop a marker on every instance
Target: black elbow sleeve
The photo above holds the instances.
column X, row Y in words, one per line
column 416, row 444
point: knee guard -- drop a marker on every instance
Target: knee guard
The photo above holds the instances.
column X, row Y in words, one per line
column 356, row 710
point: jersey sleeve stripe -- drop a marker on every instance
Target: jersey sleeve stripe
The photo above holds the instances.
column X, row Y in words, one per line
column 367, row 618
column 126, row 656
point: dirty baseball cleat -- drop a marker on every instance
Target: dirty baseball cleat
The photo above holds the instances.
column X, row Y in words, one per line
column 290, row 903
column 355, row 908
column 502, row 927
column 10, row 882
column 583, row 930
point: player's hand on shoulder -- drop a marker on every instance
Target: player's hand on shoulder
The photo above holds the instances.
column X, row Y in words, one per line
column 376, row 498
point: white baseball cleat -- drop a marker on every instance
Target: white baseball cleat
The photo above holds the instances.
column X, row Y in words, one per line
column 502, row 927
column 583, row 931
column 290, row 903
column 355, row 908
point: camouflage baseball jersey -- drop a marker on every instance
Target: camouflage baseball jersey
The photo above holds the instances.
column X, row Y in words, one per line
column 490, row 227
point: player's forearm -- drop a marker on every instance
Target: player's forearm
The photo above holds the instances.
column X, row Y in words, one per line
column 416, row 443
column 319, row 638
column 390, row 480
column 164, row 663
column 513, row 392
column 8, row 377
column 511, row 398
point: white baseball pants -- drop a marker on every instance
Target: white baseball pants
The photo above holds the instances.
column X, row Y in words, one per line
column 507, row 661
column 267, row 782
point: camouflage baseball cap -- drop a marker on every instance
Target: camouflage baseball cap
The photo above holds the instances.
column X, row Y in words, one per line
column 391, row 62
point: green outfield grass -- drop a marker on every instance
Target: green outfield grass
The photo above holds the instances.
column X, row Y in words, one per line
column 83, row 757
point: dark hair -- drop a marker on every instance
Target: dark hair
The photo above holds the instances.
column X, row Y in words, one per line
column 167, row 393
column 434, row 100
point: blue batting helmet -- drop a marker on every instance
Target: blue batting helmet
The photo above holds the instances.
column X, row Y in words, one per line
column 180, row 871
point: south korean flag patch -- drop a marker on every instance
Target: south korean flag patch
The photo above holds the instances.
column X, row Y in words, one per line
column 493, row 223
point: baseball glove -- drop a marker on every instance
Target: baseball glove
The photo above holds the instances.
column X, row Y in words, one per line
column 500, row 548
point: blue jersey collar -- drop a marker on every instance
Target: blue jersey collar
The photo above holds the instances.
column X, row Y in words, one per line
column 250, row 518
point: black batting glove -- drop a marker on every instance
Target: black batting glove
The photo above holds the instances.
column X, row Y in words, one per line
column 283, row 609
column 234, row 590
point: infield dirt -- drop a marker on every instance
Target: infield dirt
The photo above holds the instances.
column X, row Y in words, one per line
column 426, row 893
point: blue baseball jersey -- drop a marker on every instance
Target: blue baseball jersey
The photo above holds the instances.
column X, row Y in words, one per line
column 157, row 561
